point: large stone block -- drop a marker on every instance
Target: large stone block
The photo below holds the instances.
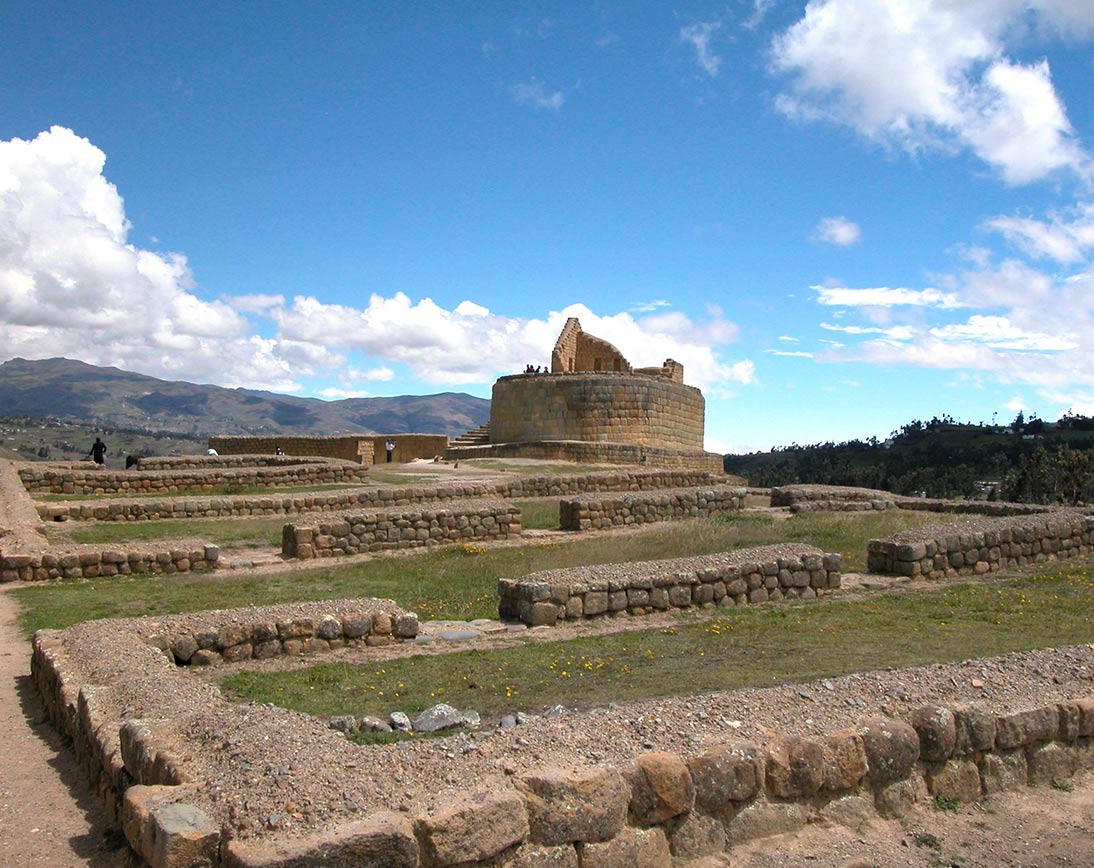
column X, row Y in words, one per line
column 476, row 828
column 727, row 773
column 892, row 748
column 586, row 805
column 661, row 788
column 384, row 840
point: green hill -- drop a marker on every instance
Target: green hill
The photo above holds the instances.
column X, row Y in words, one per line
column 112, row 398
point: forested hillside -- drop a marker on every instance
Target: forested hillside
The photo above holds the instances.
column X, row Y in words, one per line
column 1028, row 460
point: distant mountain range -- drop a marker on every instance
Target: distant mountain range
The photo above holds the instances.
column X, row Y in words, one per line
column 113, row 398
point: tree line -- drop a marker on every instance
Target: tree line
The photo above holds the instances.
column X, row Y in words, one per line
column 1028, row 460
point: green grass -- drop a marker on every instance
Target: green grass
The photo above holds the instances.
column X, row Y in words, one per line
column 225, row 531
column 749, row 646
column 454, row 582
column 539, row 514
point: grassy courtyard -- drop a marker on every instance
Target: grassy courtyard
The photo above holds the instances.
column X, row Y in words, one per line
column 750, row 646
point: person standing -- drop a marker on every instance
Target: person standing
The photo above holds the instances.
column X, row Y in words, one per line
column 390, row 448
column 97, row 452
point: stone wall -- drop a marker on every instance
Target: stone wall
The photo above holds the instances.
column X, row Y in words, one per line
column 576, row 350
column 807, row 498
column 755, row 575
column 400, row 529
column 355, row 447
column 840, row 498
column 217, row 462
column 980, row 546
column 597, row 408
column 593, row 453
column 259, row 635
column 594, row 512
column 150, row 509
column 659, row 807
column 409, row 447
column 88, row 563
column 199, row 476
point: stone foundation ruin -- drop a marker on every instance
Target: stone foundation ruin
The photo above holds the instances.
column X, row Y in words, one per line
column 160, row 746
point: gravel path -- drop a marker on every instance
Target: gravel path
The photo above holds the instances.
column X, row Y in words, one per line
column 47, row 815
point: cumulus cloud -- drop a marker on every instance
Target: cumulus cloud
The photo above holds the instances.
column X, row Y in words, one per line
column 934, row 74
column 535, row 94
column 699, row 37
column 72, row 284
column 838, row 230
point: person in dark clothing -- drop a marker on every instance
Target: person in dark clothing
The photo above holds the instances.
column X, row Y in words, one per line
column 98, row 451
column 390, row 448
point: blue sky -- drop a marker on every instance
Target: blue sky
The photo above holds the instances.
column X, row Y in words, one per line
column 838, row 215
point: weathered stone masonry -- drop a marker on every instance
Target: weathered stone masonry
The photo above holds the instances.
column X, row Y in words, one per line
column 938, row 551
column 594, row 408
column 401, row 529
column 755, row 575
column 89, row 562
column 596, row 512
column 149, row 509
column 196, row 475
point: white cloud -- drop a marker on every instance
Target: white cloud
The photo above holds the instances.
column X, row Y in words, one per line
column 797, row 354
column 71, row 283
column 534, row 93
column 1065, row 237
column 699, row 37
column 884, row 296
column 934, row 74
column 896, row 333
column 999, row 332
column 649, row 306
column 760, row 8
column 839, row 231
column 258, row 303
column 788, row 339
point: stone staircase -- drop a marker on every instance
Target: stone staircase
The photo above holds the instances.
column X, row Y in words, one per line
column 478, row 437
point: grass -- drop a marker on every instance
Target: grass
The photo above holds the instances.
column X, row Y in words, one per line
column 226, row 531
column 539, row 514
column 779, row 642
column 456, row 582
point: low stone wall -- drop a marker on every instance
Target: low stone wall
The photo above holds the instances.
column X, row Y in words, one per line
column 218, row 637
column 217, row 462
column 400, row 529
column 353, row 447
column 150, row 509
column 203, row 476
column 936, row 551
column 160, row 775
column 582, row 452
column 593, row 512
column 806, row 498
column 89, row 563
column 840, row 498
column 755, row 575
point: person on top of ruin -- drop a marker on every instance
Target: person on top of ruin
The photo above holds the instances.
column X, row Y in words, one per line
column 97, row 452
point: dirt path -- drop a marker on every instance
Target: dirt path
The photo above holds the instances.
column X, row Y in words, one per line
column 47, row 815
